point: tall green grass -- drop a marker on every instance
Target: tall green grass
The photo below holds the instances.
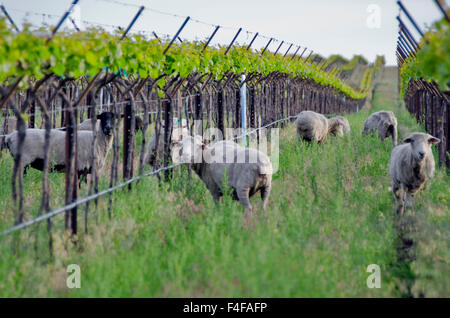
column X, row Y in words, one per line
column 330, row 215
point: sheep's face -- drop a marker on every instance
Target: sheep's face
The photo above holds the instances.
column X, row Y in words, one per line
column 306, row 133
column 388, row 127
column 107, row 122
column 336, row 127
column 421, row 144
column 188, row 150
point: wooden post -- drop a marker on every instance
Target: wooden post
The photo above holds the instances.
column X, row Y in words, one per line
column 198, row 111
column 128, row 140
column 220, row 113
column 168, row 115
column 71, row 167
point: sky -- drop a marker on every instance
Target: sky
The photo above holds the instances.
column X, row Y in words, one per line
column 345, row 27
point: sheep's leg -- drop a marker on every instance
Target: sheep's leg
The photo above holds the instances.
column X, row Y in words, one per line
column 25, row 170
column 215, row 192
column 265, row 192
column 409, row 199
column 395, row 191
column 397, row 197
column 381, row 135
column 243, row 196
column 394, row 136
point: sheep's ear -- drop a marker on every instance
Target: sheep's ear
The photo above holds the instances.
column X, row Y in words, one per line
column 407, row 140
column 433, row 140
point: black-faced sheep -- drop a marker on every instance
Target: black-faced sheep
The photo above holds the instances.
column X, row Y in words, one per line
column 87, row 124
column 7, row 127
column 411, row 164
column 248, row 171
column 34, row 147
column 384, row 122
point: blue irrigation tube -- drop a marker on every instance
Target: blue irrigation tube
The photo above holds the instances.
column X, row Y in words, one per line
column 243, row 99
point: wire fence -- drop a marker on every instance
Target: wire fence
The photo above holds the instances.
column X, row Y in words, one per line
column 54, row 103
column 423, row 98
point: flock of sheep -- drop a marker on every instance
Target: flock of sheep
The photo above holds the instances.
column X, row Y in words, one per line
column 410, row 164
column 246, row 171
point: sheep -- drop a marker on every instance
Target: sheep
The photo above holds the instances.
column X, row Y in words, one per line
column 87, row 124
column 138, row 124
column 34, row 147
column 410, row 165
column 338, row 125
column 383, row 121
column 311, row 126
column 7, row 127
column 248, row 170
column 177, row 134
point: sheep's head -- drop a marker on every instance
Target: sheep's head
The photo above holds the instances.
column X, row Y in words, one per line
column 188, row 150
column 106, row 122
column 336, row 126
column 420, row 144
column 307, row 133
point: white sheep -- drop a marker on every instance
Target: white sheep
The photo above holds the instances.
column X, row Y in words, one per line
column 312, row 126
column 178, row 132
column 338, row 126
column 410, row 165
column 384, row 122
column 248, row 171
column 34, row 147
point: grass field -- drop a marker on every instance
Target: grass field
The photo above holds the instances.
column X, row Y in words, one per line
column 330, row 215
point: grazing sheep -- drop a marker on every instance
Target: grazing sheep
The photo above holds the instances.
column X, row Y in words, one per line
column 311, row 126
column 248, row 171
column 178, row 132
column 34, row 147
column 338, row 125
column 383, row 121
column 138, row 124
column 7, row 127
column 411, row 164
